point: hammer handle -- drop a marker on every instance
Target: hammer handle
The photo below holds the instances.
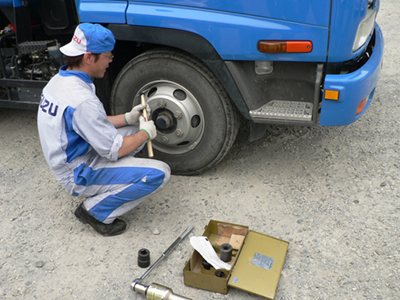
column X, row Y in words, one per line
column 149, row 143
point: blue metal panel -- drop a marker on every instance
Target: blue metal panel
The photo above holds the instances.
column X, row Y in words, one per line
column 14, row 3
column 18, row 3
column 353, row 87
column 313, row 12
column 6, row 3
column 234, row 36
column 102, row 11
column 346, row 16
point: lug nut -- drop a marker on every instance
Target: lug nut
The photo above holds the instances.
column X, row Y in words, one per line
column 178, row 132
column 161, row 104
column 164, row 139
column 178, row 114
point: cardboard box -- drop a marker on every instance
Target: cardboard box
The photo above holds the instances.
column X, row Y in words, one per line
column 257, row 261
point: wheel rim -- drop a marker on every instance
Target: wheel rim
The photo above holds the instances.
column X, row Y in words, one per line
column 177, row 115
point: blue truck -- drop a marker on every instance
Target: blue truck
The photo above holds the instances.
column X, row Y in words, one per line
column 205, row 66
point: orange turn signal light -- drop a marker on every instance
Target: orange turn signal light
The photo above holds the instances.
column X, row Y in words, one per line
column 361, row 106
column 331, row 95
column 285, row 46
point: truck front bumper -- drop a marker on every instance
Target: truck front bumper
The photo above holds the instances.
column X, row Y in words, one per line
column 353, row 88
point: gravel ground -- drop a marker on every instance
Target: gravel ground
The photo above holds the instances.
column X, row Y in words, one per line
column 332, row 192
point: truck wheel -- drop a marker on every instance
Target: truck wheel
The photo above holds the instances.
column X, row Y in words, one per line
column 196, row 122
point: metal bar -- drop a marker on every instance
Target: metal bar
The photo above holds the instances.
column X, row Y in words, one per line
column 166, row 252
column 19, row 104
column 35, row 84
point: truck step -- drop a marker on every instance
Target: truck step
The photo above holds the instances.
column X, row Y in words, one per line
column 284, row 110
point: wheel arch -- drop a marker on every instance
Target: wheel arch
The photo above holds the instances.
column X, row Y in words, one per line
column 185, row 41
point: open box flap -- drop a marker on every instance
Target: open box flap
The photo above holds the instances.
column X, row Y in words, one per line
column 259, row 266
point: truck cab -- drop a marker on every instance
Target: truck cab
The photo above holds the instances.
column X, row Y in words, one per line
column 205, row 65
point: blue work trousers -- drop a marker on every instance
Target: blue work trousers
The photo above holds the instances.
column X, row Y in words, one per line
column 113, row 188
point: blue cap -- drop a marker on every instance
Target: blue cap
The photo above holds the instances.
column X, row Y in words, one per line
column 89, row 37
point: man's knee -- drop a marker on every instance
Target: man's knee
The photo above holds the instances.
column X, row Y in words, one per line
column 166, row 170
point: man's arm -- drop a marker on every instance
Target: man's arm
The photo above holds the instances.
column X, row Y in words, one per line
column 118, row 120
column 128, row 118
column 132, row 142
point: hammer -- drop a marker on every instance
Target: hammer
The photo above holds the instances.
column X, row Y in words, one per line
column 149, row 143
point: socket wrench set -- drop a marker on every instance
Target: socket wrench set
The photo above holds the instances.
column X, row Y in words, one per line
column 250, row 261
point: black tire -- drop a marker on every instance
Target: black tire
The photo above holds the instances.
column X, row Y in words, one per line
column 196, row 122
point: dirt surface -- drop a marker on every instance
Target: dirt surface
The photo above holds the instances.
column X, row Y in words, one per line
column 333, row 193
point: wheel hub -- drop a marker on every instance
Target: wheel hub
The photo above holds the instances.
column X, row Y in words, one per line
column 177, row 115
column 164, row 121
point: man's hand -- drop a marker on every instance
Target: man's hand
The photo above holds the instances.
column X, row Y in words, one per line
column 132, row 117
column 149, row 127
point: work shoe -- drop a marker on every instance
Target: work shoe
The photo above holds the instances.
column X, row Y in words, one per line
column 115, row 228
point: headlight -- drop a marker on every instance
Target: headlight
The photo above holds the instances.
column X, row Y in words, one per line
column 364, row 29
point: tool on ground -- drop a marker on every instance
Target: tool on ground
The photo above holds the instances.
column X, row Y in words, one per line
column 143, row 258
column 156, row 291
column 149, row 143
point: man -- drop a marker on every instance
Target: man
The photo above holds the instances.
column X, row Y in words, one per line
column 92, row 155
